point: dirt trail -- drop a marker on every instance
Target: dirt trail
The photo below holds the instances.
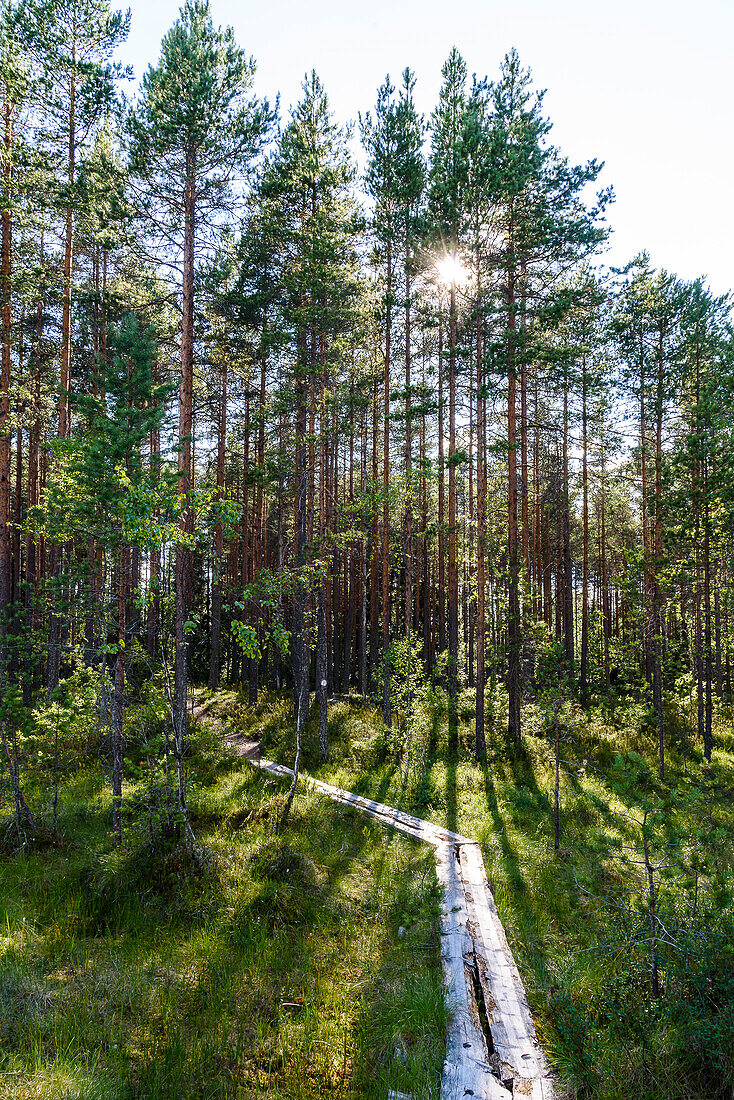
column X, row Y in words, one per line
column 242, row 745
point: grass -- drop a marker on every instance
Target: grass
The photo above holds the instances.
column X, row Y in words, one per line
column 279, row 971
column 577, row 919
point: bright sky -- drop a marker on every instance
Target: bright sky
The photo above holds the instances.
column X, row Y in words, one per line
column 644, row 85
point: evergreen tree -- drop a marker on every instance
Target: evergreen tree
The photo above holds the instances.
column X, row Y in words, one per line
column 101, row 490
column 698, row 510
column 195, row 128
column 395, row 179
column 13, row 92
column 476, row 176
column 447, row 219
column 646, row 327
column 72, row 43
column 544, row 228
column 307, row 188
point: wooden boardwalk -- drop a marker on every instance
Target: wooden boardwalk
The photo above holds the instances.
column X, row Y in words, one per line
column 492, row 1051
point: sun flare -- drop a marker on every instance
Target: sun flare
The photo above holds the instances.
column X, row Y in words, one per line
column 452, row 271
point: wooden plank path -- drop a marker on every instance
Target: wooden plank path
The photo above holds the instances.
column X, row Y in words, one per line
column 492, row 1051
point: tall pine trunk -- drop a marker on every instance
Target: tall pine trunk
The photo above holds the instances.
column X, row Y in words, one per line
column 6, row 549
column 584, row 660
column 118, row 694
column 480, row 738
column 215, row 641
column 386, row 692
column 185, row 428
column 453, row 579
column 513, row 547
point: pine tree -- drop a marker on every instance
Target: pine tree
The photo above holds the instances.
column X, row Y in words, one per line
column 307, row 189
column 544, row 228
column 380, row 139
column 13, row 92
column 698, row 510
column 411, row 173
column 100, row 482
column 447, row 219
column 395, row 181
column 71, row 43
column 646, row 330
column 477, row 168
column 14, row 89
column 194, row 129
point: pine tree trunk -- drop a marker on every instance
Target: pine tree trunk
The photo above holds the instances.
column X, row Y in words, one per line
column 568, row 619
column 6, row 551
column 321, row 673
column 154, row 602
column 215, row 641
column 656, row 643
column 246, row 534
column 646, row 549
column 453, row 579
column 583, row 669
column 363, row 556
column 441, row 595
column 185, row 429
column 480, row 738
column 408, row 519
column 374, row 548
column 322, row 657
column 708, row 740
column 258, row 541
column 118, row 695
column 30, row 670
column 299, row 659
column 386, row 693
column 606, row 605
column 513, row 548
column 524, row 484
column 426, row 607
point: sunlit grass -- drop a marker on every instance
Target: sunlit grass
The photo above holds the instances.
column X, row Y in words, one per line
column 279, row 972
column 576, row 918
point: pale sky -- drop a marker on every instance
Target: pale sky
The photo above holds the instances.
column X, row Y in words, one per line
column 645, row 85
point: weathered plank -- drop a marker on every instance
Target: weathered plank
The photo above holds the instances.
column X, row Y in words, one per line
column 517, row 1053
column 467, row 1070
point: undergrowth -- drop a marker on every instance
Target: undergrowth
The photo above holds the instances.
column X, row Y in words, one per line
column 274, row 970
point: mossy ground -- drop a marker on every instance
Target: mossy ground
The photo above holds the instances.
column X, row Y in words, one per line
column 278, row 971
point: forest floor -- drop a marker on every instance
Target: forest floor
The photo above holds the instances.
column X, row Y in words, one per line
column 578, row 919
column 278, row 971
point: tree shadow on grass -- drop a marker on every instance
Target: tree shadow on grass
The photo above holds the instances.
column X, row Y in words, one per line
column 515, row 894
column 451, row 794
column 238, row 1011
column 366, row 788
column 400, row 1036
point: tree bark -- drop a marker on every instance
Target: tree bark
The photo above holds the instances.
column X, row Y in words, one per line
column 480, row 738
column 583, row 668
column 6, row 549
column 218, row 563
column 185, row 428
column 514, row 640
column 453, row 578
column 386, row 692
